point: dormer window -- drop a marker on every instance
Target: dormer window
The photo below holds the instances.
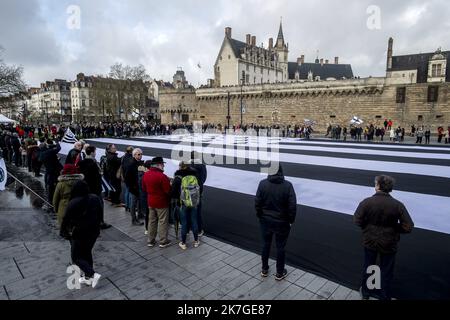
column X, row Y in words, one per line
column 436, row 70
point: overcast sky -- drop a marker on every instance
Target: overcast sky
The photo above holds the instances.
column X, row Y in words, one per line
column 164, row 35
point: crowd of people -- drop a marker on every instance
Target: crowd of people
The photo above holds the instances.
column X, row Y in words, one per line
column 78, row 186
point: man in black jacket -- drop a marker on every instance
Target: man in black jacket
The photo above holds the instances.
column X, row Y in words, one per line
column 131, row 177
column 382, row 219
column 74, row 153
column 91, row 171
column 276, row 208
column 49, row 157
column 112, row 165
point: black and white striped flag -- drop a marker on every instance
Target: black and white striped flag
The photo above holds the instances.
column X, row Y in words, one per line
column 69, row 137
column 330, row 180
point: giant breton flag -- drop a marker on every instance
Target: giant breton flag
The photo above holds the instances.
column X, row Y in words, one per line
column 330, row 180
column 3, row 174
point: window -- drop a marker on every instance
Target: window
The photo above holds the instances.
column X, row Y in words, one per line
column 401, row 95
column 332, row 117
column 254, row 79
column 247, row 78
column 185, row 118
column 436, row 70
column 420, row 118
column 433, row 93
column 248, row 68
column 260, row 117
column 229, row 57
column 202, row 117
column 378, row 117
column 293, row 116
column 262, row 70
column 439, row 116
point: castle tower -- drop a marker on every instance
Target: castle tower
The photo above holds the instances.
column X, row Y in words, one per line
column 282, row 51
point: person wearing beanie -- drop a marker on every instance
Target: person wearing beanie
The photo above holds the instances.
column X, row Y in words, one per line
column 69, row 176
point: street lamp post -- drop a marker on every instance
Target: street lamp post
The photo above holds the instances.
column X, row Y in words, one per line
column 242, row 90
column 228, row 116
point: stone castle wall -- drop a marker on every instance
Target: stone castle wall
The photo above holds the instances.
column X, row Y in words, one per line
column 333, row 102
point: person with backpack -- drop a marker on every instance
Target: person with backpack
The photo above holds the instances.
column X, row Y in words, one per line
column 81, row 225
column 202, row 175
column 157, row 186
column 186, row 189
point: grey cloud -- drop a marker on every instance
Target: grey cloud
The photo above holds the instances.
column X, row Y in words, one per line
column 136, row 32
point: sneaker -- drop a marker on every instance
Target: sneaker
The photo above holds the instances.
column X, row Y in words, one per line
column 182, row 246
column 264, row 273
column 146, row 232
column 201, row 234
column 282, row 276
column 86, row 281
column 165, row 244
column 137, row 223
column 151, row 244
column 96, row 279
column 362, row 295
column 196, row 244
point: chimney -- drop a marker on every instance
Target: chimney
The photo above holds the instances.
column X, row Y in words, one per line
column 228, row 32
column 254, row 41
column 336, row 60
column 390, row 53
column 302, row 57
column 321, row 62
column 270, row 43
column 248, row 39
column 327, row 61
column 299, row 61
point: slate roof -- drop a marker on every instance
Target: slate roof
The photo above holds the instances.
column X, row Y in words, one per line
column 337, row 71
column 418, row 62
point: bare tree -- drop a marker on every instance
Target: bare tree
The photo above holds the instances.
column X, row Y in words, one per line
column 121, row 72
column 11, row 81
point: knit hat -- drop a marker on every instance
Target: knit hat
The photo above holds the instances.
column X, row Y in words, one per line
column 70, row 169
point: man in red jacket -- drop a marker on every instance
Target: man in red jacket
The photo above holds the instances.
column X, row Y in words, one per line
column 157, row 186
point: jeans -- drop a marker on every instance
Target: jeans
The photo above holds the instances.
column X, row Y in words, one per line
column 281, row 230
column 126, row 196
column 191, row 214
column 199, row 216
column 134, row 206
column 81, row 252
column 387, row 262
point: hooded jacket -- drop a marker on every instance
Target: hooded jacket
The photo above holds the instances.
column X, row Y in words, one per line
column 83, row 214
column 276, row 199
column 62, row 194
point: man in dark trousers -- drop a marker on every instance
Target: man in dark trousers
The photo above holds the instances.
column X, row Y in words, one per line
column 91, row 171
column 113, row 163
column 131, row 177
column 202, row 175
column 276, row 208
column 49, row 157
column 382, row 219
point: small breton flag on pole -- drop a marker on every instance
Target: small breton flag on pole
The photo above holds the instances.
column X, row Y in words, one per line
column 69, row 137
column 3, row 174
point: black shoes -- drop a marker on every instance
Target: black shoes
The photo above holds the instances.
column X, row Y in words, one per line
column 281, row 276
column 137, row 223
column 105, row 226
column 264, row 273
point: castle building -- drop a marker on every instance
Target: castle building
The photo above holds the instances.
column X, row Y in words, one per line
column 245, row 63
